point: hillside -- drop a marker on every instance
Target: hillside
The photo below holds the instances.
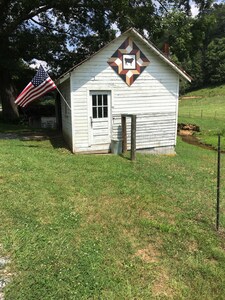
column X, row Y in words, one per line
column 206, row 108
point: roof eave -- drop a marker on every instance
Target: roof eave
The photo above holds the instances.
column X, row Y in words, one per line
column 61, row 79
column 177, row 69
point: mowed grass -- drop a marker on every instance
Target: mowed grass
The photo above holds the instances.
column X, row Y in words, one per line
column 103, row 227
column 206, row 108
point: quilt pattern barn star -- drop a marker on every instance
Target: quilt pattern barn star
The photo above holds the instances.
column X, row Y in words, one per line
column 128, row 61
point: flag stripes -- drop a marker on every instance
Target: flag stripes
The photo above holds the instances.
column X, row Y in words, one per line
column 39, row 85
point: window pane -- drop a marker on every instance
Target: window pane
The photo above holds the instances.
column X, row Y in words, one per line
column 100, row 112
column 99, row 100
column 94, row 102
column 105, row 100
column 94, row 112
column 105, row 112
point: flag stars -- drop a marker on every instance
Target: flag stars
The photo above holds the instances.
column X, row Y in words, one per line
column 39, row 77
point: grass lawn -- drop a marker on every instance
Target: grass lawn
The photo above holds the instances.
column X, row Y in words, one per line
column 102, row 227
column 205, row 108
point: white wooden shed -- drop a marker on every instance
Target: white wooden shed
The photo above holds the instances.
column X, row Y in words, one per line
column 128, row 76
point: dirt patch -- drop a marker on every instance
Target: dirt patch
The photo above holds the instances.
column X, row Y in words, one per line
column 8, row 136
column 191, row 97
column 34, row 138
column 193, row 140
column 5, row 274
column 186, row 132
column 146, row 215
column 192, row 246
column 29, row 135
column 149, row 254
column 161, row 286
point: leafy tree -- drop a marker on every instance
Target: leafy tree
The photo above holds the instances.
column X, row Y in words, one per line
column 63, row 32
column 208, row 26
column 189, row 39
column 219, row 12
column 42, row 29
column 215, row 61
column 176, row 31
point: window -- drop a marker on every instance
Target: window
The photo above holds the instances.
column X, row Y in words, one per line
column 100, row 106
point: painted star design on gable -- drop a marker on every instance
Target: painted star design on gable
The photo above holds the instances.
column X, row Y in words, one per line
column 128, row 61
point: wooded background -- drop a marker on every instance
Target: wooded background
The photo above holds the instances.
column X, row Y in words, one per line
column 64, row 32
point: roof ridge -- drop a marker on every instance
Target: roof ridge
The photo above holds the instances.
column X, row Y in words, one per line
column 157, row 51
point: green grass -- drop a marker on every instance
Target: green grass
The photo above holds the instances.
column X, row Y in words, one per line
column 207, row 110
column 208, row 92
column 208, row 102
column 102, row 227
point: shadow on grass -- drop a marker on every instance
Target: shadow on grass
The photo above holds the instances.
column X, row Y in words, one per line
column 55, row 138
column 126, row 156
column 58, row 142
column 25, row 133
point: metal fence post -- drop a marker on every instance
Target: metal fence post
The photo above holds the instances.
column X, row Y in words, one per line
column 218, row 187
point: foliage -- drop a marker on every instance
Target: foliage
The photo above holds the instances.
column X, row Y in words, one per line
column 42, row 30
column 215, row 61
column 107, row 228
column 63, row 33
column 176, row 28
column 189, row 39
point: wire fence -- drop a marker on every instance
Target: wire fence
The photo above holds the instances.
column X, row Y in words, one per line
column 202, row 114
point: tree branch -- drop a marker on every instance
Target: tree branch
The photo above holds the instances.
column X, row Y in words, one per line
column 51, row 28
column 163, row 6
column 25, row 16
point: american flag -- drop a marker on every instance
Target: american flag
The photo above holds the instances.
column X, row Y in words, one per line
column 39, row 85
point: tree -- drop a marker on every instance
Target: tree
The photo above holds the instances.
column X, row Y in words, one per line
column 42, row 29
column 215, row 61
column 189, row 39
column 208, row 26
column 63, row 32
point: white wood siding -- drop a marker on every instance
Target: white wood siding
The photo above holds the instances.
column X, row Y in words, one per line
column 66, row 113
column 153, row 97
column 153, row 130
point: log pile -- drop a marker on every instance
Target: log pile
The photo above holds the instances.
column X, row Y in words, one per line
column 187, row 129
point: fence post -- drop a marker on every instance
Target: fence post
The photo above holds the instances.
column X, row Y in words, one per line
column 133, row 137
column 218, row 187
column 124, row 134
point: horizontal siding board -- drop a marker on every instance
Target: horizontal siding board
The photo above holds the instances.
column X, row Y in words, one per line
column 152, row 130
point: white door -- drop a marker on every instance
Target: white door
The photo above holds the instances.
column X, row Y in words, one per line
column 100, row 121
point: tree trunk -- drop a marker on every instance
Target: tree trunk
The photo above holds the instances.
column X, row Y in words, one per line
column 7, row 97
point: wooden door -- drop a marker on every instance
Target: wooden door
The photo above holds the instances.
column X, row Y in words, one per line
column 100, row 119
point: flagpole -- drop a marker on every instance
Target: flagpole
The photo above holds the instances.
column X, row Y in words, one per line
column 63, row 97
